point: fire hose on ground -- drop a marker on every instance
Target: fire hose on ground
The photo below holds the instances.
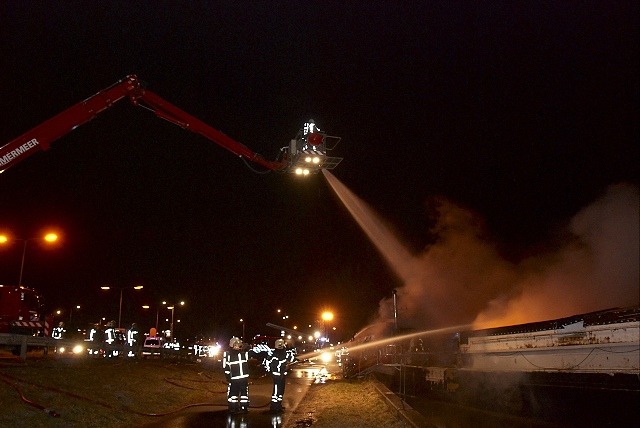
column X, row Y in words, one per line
column 6, row 378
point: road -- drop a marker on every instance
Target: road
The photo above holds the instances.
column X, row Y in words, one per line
column 298, row 382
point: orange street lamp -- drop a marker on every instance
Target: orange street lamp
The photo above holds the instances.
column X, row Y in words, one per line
column 49, row 237
column 326, row 316
column 137, row 287
column 157, row 314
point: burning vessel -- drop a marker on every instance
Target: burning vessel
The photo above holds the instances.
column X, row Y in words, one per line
column 580, row 368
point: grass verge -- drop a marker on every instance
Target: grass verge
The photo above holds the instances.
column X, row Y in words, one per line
column 105, row 393
column 101, row 393
column 343, row 403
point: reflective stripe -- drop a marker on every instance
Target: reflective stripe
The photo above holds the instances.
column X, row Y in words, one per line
column 236, row 368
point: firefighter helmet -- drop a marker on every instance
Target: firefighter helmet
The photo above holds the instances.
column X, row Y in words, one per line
column 235, row 342
column 280, row 344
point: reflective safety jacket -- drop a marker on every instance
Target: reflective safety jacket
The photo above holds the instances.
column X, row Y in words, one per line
column 96, row 335
column 110, row 335
column 132, row 336
column 276, row 362
column 57, row 332
column 236, row 364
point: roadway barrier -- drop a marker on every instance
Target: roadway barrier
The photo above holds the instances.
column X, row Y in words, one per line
column 19, row 344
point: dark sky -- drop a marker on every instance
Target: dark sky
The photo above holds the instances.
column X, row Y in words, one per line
column 523, row 112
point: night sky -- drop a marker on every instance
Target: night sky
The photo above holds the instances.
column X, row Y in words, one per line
column 523, row 113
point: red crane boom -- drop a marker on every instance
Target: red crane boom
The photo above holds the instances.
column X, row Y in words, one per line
column 41, row 137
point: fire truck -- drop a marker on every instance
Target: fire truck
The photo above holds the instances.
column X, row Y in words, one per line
column 305, row 154
column 21, row 312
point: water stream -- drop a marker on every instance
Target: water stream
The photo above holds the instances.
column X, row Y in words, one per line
column 399, row 259
column 394, row 339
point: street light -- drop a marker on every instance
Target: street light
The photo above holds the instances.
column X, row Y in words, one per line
column 326, row 316
column 285, row 317
column 242, row 321
column 136, row 287
column 157, row 314
column 173, row 308
column 49, row 237
column 71, row 312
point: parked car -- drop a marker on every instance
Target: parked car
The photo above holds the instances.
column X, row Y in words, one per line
column 152, row 346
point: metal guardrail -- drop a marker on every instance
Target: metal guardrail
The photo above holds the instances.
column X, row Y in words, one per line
column 19, row 339
column 19, row 344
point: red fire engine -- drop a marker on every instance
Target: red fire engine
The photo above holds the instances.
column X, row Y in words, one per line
column 21, row 312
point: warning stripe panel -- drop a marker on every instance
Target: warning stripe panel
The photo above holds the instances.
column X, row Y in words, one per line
column 33, row 324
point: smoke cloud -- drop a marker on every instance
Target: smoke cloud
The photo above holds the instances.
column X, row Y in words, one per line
column 597, row 268
column 462, row 279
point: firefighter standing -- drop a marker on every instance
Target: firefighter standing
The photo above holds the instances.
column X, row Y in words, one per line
column 132, row 339
column 235, row 363
column 276, row 364
column 110, row 338
column 58, row 331
column 95, row 337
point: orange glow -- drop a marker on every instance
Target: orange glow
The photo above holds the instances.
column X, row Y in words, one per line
column 327, row 316
column 49, row 237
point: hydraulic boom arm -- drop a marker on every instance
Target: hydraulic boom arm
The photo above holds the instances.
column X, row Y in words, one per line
column 41, row 137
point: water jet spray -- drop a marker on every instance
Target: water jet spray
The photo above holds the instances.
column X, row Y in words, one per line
column 354, row 347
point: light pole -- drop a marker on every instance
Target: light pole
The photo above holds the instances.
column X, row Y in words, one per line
column 242, row 321
column 71, row 312
column 50, row 237
column 136, row 287
column 326, row 316
column 157, row 314
column 173, row 308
